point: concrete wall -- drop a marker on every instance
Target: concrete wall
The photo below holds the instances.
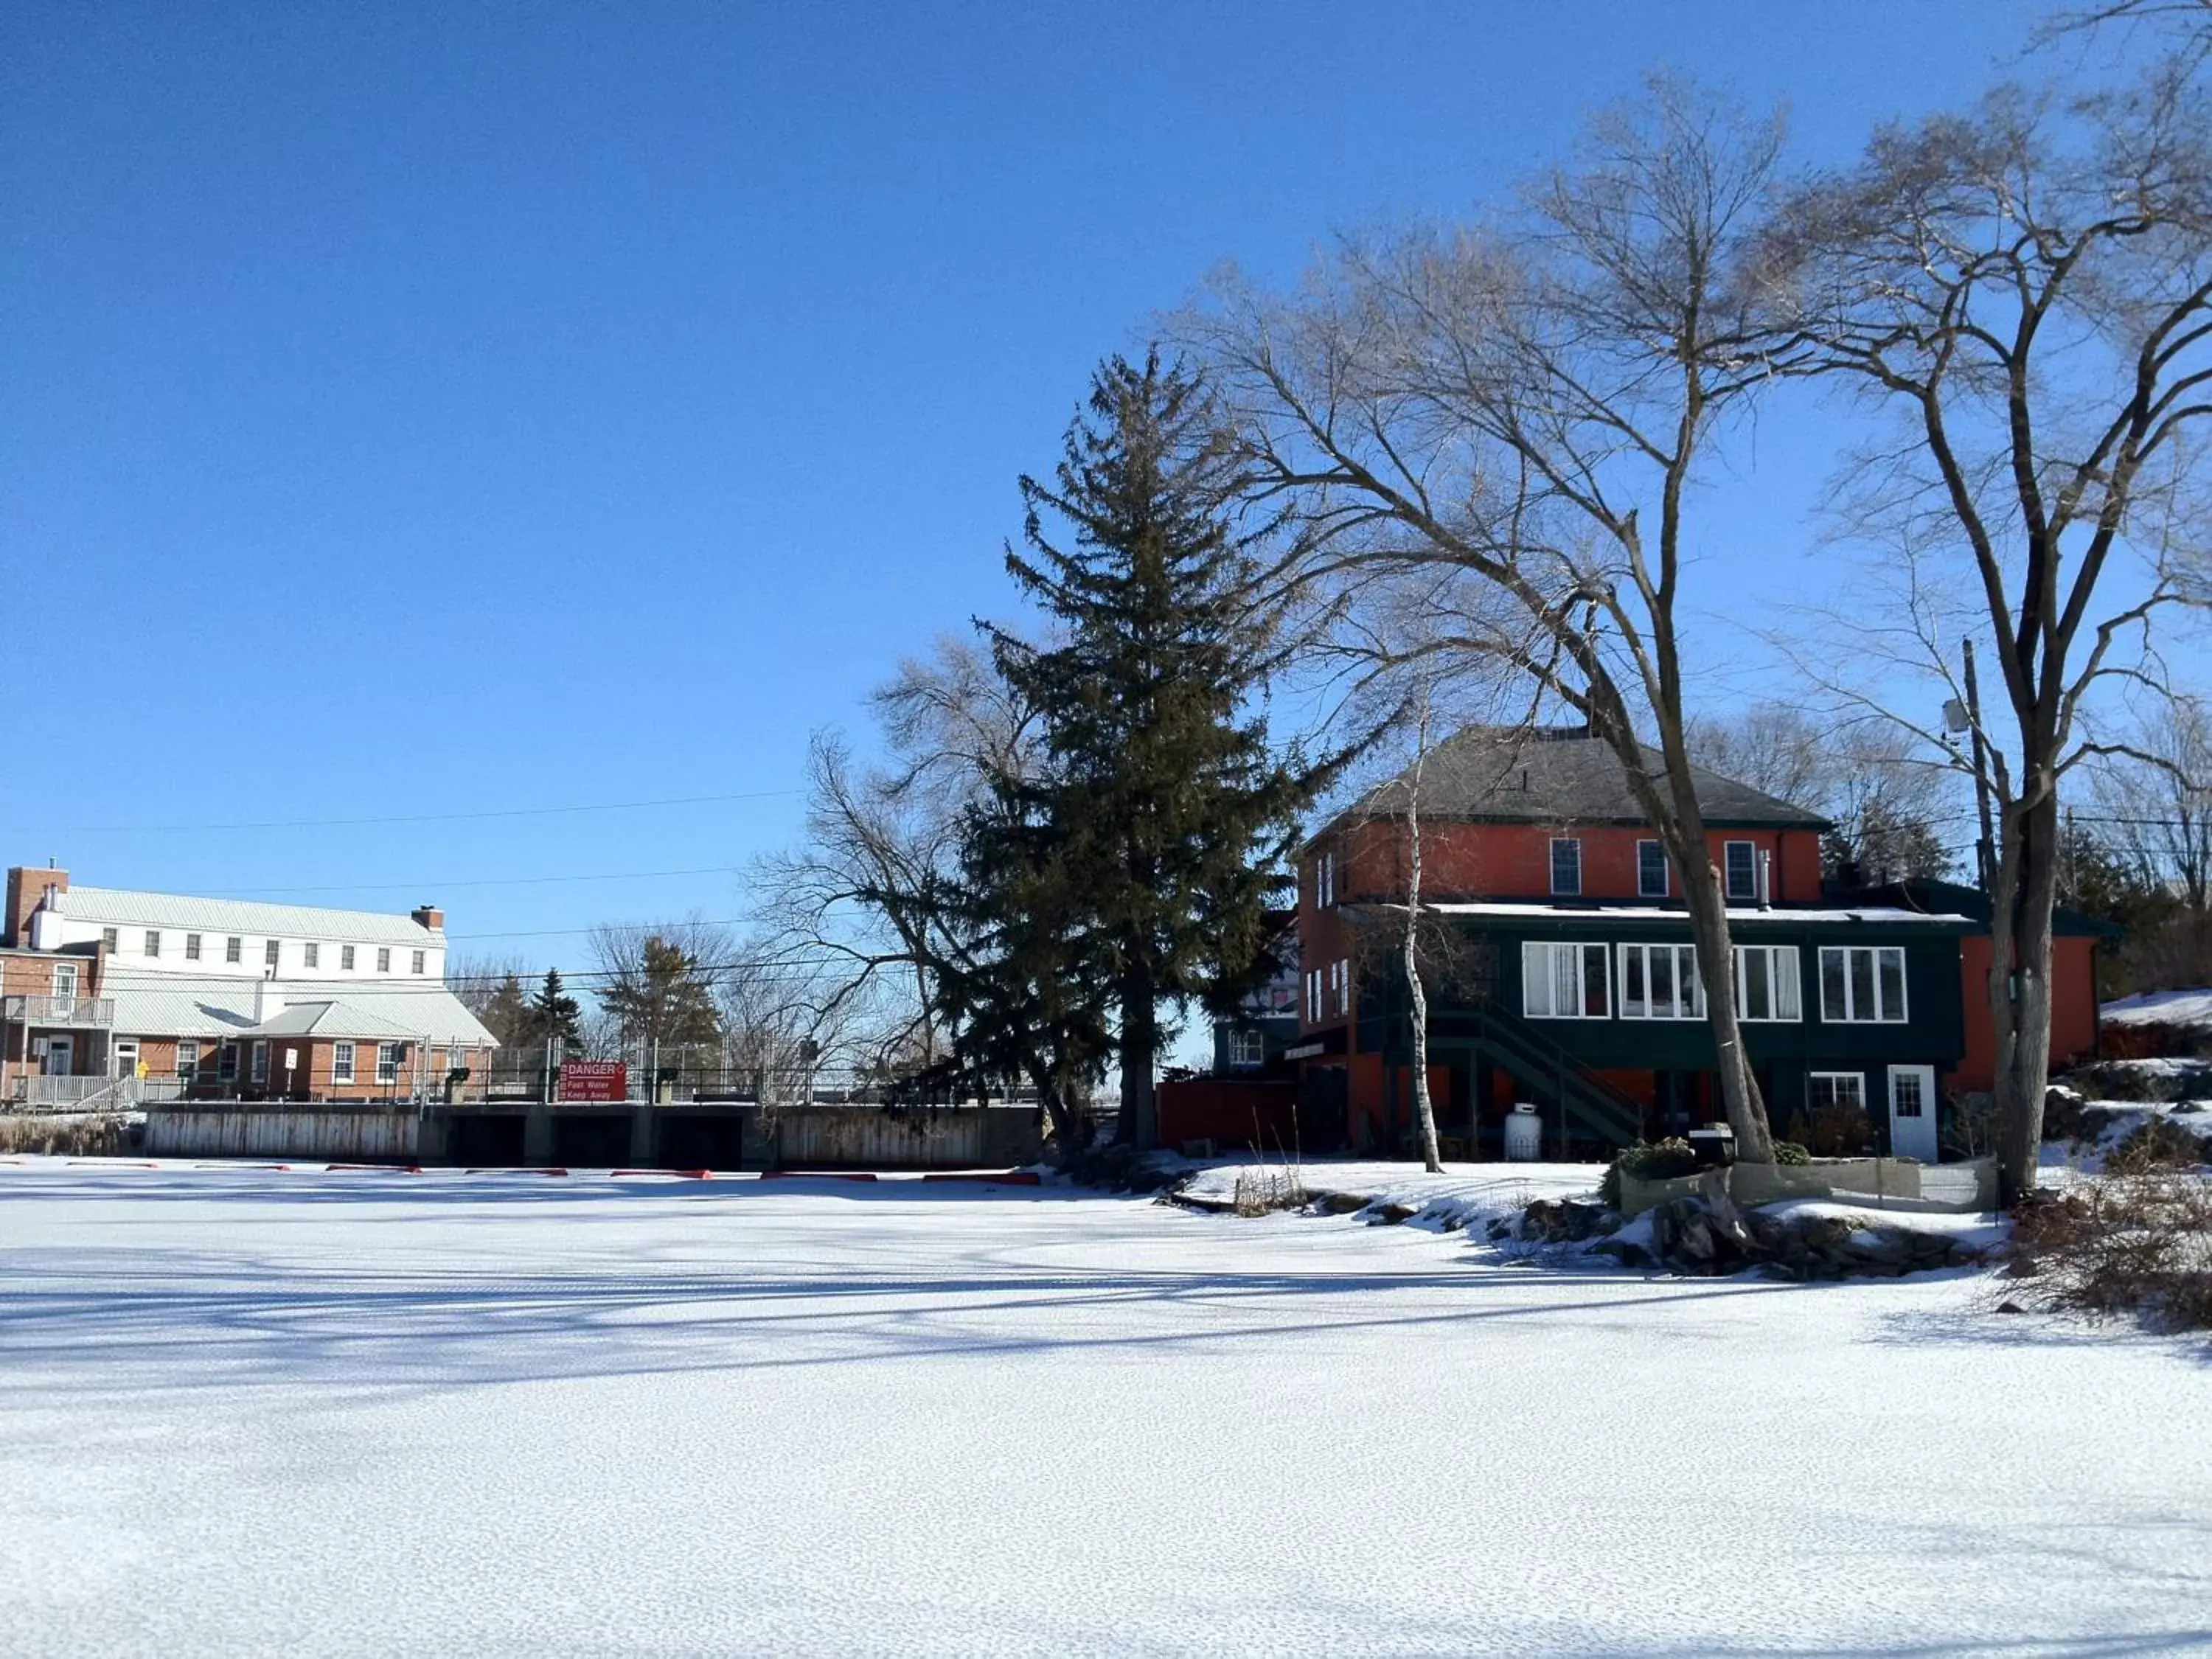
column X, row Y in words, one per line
column 369, row 1134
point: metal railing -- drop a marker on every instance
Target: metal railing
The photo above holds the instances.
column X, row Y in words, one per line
column 59, row 1011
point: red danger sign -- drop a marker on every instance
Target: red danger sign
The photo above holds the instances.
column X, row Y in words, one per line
column 594, row 1079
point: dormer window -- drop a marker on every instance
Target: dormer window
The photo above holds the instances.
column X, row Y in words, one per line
column 1566, row 867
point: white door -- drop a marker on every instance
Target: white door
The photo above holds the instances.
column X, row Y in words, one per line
column 124, row 1060
column 1912, row 1112
column 61, row 1054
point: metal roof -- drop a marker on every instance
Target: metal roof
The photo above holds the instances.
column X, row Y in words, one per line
column 186, row 1006
column 118, row 906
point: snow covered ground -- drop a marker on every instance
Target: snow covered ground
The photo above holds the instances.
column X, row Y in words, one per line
column 2161, row 1008
column 248, row 1410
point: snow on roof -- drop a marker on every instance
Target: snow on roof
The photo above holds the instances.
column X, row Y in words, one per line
column 122, row 906
column 224, row 1007
column 1885, row 915
column 2162, row 1008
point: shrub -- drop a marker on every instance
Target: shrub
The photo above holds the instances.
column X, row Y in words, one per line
column 1661, row 1160
column 2155, row 1145
column 2137, row 1243
column 1273, row 1187
column 97, row 1135
column 1789, row 1151
column 1834, row 1131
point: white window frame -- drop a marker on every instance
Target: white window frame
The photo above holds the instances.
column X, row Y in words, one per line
column 1682, row 970
column 345, row 958
column 109, row 939
column 311, row 955
column 65, row 978
column 1749, row 891
column 191, row 947
column 1813, row 1079
column 387, row 1062
column 1558, row 841
column 1313, row 996
column 188, row 1059
column 272, row 953
column 260, row 1072
column 1852, row 1013
column 233, row 949
column 1777, row 968
column 1248, row 1050
column 384, row 959
column 341, row 1057
column 421, row 963
column 1540, row 971
column 153, row 942
column 1643, row 889
column 1343, row 983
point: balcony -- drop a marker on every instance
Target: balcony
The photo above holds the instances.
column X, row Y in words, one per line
column 95, row 1012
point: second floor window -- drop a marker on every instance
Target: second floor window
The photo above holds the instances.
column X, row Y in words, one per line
column 1564, row 981
column 1313, row 996
column 311, row 954
column 268, row 954
column 1862, row 984
column 1766, row 982
column 422, row 958
column 153, row 942
column 1325, row 880
column 1339, row 986
column 1660, row 981
column 1566, row 866
column 1650, row 870
column 65, row 978
column 383, row 961
column 1247, row 1049
column 345, row 957
column 191, row 947
column 107, row 937
column 233, row 949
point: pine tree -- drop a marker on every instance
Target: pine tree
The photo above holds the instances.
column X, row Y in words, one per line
column 505, row 1010
column 554, row 1015
column 1166, row 815
column 663, row 997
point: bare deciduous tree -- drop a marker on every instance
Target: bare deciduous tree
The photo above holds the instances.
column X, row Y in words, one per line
column 1526, row 404
column 2028, row 290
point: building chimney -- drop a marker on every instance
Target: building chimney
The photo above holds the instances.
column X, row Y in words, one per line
column 1766, row 879
column 268, row 997
column 29, row 891
column 428, row 915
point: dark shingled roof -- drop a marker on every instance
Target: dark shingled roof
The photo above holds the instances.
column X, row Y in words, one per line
column 1560, row 775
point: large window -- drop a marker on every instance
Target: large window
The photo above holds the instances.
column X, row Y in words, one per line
column 342, row 1062
column 1247, row 1049
column 65, row 978
column 1660, row 981
column 188, row 1059
column 387, row 1062
column 1563, row 982
column 1339, row 986
column 1313, row 996
column 1862, row 984
column 1741, row 860
column 1325, row 880
column 1766, row 982
column 1566, row 866
column 1650, row 870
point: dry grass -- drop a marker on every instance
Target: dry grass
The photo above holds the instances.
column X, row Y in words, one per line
column 2137, row 1240
column 1271, row 1186
column 93, row 1135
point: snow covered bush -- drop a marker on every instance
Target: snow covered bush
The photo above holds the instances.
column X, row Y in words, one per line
column 1278, row 1186
column 2156, row 1145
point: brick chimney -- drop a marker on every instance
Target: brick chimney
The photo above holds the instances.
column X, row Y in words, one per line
column 428, row 915
column 27, row 890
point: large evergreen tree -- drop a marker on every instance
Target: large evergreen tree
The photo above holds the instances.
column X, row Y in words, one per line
column 553, row 1014
column 1164, row 813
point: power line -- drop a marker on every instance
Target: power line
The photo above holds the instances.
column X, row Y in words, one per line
column 492, row 881
column 405, row 818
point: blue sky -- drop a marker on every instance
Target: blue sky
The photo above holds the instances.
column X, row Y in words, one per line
column 460, row 409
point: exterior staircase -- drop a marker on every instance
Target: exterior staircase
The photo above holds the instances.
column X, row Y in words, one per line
column 1588, row 1107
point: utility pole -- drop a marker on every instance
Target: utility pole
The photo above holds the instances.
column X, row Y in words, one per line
column 1985, row 849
